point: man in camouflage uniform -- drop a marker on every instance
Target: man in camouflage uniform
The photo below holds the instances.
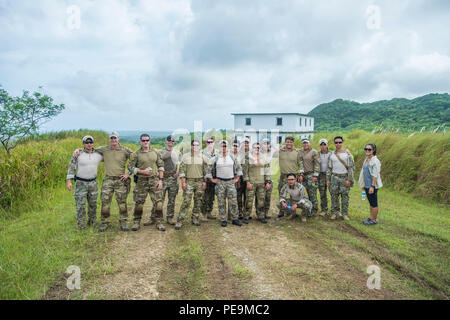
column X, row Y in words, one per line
column 324, row 155
column 147, row 164
column 340, row 179
column 310, row 173
column 257, row 177
column 83, row 170
column 193, row 173
column 208, row 196
column 293, row 194
column 225, row 171
column 115, row 182
column 268, row 154
column 290, row 162
column 238, row 154
column 171, row 158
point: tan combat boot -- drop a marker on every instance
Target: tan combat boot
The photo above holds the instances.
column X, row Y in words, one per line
column 170, row 221
column 333, row 217
column 322, row 214
column 136, row 225
column 149, row 222
column 178, row 225
column 203, row 217
column 210, row 216
column 346, row 218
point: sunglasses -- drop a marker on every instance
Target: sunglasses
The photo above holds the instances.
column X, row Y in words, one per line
column 209, row 142
column 88, row 142
column 147, row 140
column 338, row 142
column 113, row 138
column 323, row 144
column 367, row 149
column 196, row 145
column 224, row 146
column 291, row 179
column 235, row 146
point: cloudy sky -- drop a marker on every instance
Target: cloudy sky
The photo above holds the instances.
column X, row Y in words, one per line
column 161, row 64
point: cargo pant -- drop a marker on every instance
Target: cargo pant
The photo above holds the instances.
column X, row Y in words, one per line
column 323, row 192
column 311, row 188
column 226, row 190
column 258, row 192
column 302, row 209
column 267, row 199
column 144, row 186
column 281, row 182
column 338, row 188
column 86, row 191
column 194, row 188
column 121, row 188
column 170, row 186
column 241, row 197
column 208, row 198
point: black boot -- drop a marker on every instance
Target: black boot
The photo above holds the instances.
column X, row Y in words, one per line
column 236, row 222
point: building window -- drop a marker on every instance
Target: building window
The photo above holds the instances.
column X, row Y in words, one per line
column 300, row 121
column 248, row 121
column 310, row 122
column 279, row 121
column 280, row 139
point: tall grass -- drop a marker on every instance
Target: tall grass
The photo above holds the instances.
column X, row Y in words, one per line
column 418, row 164
column 37, row 165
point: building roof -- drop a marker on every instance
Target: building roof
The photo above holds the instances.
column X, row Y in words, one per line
column 274, row 113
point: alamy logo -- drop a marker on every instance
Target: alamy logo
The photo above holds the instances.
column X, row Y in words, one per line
column 74, row 281
column 74, row 17
column 374, row 281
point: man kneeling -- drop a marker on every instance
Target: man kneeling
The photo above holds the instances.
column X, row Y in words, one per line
column 293, row 197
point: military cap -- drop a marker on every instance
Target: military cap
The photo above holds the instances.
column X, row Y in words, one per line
column 323, row 141
column 114, row 134
column 85, row 138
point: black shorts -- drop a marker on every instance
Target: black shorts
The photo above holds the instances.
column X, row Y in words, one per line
column 373, row 198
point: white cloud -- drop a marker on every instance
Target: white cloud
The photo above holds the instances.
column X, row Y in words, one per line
column 163, row 64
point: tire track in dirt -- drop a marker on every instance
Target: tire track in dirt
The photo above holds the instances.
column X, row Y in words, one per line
column 139, row 257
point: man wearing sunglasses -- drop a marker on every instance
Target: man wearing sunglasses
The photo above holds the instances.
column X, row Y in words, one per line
column 208, row 197
column 171, row 158
column 193, row 174
column 238, row 154
column 83, row 169
column 147, row 164
column 324, row 156
column 293, row 197
column 256, row 173
column 340, row 179
column 116, row 181
column 309, row 177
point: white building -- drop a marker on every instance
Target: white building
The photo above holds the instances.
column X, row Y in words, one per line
column 273, row 126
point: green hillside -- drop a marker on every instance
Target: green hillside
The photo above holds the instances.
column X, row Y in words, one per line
column 429, row 111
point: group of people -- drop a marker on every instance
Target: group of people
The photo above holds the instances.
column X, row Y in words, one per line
column 240, row 178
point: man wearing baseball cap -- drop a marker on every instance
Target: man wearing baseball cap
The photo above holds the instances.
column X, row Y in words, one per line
column 116, row 180
column 310, row 173
column 324, row 155
column 83, row 169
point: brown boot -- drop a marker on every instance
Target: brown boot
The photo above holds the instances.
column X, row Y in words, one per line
column 170, row 221
column 149, row 222
column 211, row 216
column 203, row 217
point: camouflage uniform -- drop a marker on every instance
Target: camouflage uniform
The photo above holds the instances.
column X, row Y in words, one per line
column 241, row 186
column 194, row 168
column 257, row 172
column 85, row 190
column 170, row 186
column 337, row 185
column 311, row 166
column 115, row 162
column 141, row 160
column 208, row 195
column 268, row 193
column 290, row 162
column 295, row 195
column 323, row 184
column 225, row 189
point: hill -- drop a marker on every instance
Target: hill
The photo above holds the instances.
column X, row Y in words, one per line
column 430, row 111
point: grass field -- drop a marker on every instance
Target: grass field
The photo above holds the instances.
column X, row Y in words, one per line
column 321, row 259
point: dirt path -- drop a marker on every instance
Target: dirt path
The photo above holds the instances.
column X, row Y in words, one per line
column 280, row 260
